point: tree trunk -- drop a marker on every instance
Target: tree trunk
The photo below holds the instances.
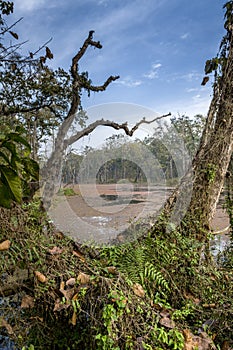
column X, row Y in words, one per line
column 206, row 178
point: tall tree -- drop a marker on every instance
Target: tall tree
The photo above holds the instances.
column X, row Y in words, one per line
column 204, row 182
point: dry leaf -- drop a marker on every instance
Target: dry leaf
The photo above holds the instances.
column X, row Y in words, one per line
column 40, row 277
column 205, row 80
column 5, row 245
column 59, row 306
column 167, row 322
column 112, row 269
column 164, row 313
column 204, row 342
column 79, row 255
column 59, row 235
column 191, row 297
column 62, row 285
column 71, row 282
column 48, row 53
column 209, row 306
column 83, row 278
column 15, row 35
column 4, row 323
column 27, row 302
column 189, row 344
column 75, row 297
column 68, row 293
column 55, row 250
column 225, row 345
column 138, row 290
column 73, row 320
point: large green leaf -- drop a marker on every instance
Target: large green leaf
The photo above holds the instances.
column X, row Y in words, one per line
column 5, row 198
column 31, row 167
column 19, row 139
column 12, row 181
column 3, row 156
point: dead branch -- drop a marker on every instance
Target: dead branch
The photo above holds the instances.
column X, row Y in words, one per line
column 104, row 86
column 9, row 28
column 101, row 122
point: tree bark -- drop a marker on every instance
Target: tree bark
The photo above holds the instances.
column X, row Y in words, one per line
column 206, row 178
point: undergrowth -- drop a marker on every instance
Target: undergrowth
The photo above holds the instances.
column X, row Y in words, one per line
column 146, row 294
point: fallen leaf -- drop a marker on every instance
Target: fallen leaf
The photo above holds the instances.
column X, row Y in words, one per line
column 209, row 306
column 27, row 302
column 4, row 323
column 164, row 313
column 191, row 297
column 112, row 270
column 189, row 344
column 59, row 306
column 59, row 235
column 68, row 294
column 79, row 255
column 202, row 342
column 75, row 297
column 225, row 345
column 83, row 278
column 40, row 277
column 55, row 250
column 73, row 320
column 167, row 322
column 138, row 290
column 62, row 285
column 71, row 282
column 5, row 245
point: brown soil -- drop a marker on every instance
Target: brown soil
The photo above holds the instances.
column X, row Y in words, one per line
column 100, row 212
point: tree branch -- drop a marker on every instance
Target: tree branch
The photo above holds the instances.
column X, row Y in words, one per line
column 124, row 126
column 81, row 52
column 104, row 86
column 5, row 30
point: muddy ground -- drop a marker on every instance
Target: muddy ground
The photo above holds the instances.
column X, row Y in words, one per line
column 101, row 212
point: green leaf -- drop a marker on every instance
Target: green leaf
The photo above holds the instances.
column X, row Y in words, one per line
column 11, row 179
column 3, row 155
column 31, row 167
column 5, row 198
column 10, row 146
column 19, row 139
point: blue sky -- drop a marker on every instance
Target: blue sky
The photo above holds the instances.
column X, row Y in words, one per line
column 158, row 47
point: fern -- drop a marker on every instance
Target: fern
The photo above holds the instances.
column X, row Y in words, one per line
column 153, row 275
column 137, row 264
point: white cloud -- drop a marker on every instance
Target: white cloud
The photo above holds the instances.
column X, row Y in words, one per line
column 192, row 89
column 28, row 5
column 184, row 36
column 103, row 2
column 153, row 73
column 129, row 82
column 191, row 76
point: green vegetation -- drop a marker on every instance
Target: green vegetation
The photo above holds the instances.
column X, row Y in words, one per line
column 150, row 292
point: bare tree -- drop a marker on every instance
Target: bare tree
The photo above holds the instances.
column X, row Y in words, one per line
column 50, row 172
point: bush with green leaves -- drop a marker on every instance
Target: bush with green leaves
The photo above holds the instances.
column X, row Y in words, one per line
column 17, row 169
